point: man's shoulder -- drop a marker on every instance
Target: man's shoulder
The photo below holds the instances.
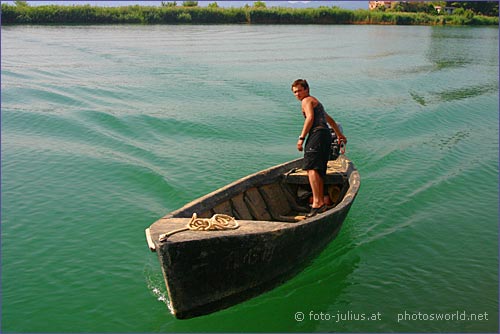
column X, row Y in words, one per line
column 308, row 100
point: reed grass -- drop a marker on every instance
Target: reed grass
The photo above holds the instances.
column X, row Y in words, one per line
column 55, row 14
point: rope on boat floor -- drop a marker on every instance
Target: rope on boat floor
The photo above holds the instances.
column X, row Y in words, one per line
column 218, row 222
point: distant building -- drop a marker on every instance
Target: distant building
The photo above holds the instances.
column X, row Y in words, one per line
column 374, row 4
column 446, row 10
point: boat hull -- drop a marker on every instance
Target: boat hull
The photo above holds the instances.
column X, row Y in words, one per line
column 208, row 271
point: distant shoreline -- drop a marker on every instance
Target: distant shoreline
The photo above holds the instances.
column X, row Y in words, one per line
column 145, row 15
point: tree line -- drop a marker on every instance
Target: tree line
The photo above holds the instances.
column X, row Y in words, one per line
column 486, row 8
column 190, row 13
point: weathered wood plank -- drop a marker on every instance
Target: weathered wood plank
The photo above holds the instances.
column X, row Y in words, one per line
column 301, row 178
column 256, row 204
column 277, row 203
column 225, row 208
column 292, row 198
column 240, row 208
column 335, row 173
column 206, row 214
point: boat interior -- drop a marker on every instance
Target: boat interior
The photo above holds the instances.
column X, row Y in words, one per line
column 285, row 200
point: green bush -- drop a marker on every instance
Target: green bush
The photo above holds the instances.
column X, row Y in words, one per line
column 184, row 18
column 190, row 3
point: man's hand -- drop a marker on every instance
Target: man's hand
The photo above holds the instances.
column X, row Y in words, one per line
column 300, row 144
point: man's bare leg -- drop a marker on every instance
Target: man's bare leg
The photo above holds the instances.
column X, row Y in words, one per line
column 317, row 186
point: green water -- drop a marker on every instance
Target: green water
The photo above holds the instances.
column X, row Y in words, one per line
column 107, row 128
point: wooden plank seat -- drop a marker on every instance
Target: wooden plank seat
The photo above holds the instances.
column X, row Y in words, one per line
column 336, row 173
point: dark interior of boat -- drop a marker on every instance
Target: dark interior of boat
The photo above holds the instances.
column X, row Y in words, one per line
column 286, row 200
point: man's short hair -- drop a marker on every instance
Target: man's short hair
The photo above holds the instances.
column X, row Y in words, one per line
column 301, row 82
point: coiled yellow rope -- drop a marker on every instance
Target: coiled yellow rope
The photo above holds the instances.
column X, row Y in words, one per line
column 218, row 221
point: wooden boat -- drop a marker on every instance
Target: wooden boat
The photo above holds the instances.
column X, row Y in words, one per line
column 206, row 271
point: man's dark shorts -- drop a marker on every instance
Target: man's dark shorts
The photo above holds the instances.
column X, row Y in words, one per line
column 317, row 151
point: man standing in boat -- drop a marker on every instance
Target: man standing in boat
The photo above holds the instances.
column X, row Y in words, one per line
column 317, row 146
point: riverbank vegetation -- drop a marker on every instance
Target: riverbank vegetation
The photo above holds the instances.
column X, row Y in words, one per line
column 190, row 13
